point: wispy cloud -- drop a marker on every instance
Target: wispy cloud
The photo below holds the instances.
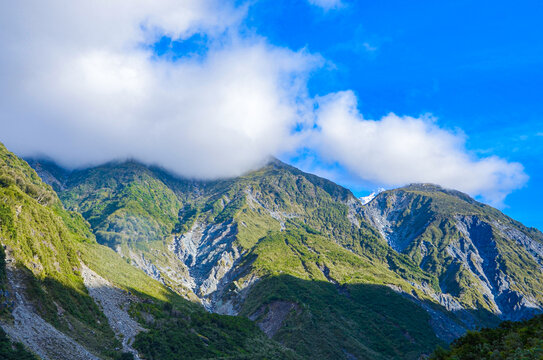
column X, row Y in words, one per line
column 369, row 47
column 327, row 4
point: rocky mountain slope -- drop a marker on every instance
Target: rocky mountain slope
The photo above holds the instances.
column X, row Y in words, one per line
column 295, row 252
column 64, row 296
column 276, row 226
column 482, row 258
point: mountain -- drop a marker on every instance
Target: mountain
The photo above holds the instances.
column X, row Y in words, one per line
column 276, row 228
column 64, row 296
column 315, row 268
column 482, row 258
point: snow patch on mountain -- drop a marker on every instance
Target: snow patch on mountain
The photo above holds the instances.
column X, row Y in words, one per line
column 366, row 199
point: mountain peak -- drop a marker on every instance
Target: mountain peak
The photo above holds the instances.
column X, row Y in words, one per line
column 430, row 188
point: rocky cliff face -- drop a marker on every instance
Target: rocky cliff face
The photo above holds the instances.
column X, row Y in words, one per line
column 476, row 251
column 209, row 253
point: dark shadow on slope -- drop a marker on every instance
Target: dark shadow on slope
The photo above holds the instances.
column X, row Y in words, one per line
column 179, row 329
column 511, row 340
column 174, row 328
column 372, row 322
column 71, row 311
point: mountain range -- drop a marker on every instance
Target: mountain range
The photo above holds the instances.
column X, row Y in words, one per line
column 126, row 260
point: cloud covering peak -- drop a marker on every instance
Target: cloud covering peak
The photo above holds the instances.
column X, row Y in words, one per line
column 83, row 84
column 398, row 150
column 93, row 95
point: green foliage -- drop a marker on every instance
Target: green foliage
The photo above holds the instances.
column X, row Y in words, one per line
column 106, row 263
column 430, row 221
column 201, row 335
column 6, row 221
column 48, row 244
column 230, row 210
column 374, row 322
column 318, row 242
column 187, row 217
column 510, row 340
column 123, row 203
column 15, row 172
column 36, row 234
column 301, row 234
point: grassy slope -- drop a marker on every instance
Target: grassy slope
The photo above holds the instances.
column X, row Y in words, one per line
column 34, row 232
column 317, row 245
column 357, row 315
column 48, row 244
column 315, row 206
column 123, row 202
column 176, row 326
column 366, row 321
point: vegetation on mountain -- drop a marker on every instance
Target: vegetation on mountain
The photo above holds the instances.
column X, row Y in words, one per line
column 461, row 241
column 296, row 253
column 46, row 244
column 200, row 335
column 374, row 321
column 510, row 340
column 44, row 252
column 122, row 202
column 13, row 351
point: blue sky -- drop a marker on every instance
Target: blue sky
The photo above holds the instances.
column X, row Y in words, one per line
column 474, row 65
column 368, row 94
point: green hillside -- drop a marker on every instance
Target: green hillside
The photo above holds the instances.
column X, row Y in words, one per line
column 317, row 271
column 42, row 281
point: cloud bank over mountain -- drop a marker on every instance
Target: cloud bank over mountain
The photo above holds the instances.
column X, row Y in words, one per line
column 82, row 83
column 397, row 150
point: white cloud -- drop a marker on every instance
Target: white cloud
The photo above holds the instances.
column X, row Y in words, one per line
column 80, row 85
column 399, row 150
column 327, row 4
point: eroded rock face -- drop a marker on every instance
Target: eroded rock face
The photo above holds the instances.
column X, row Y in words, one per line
column 146, row 265
column 209, row 254
column 479, row 253
column 390, row 216
column 255, row 202
column 270, row 317
column 32, row 330
column 115, row 303
column 532, row 246
column 475, row 243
